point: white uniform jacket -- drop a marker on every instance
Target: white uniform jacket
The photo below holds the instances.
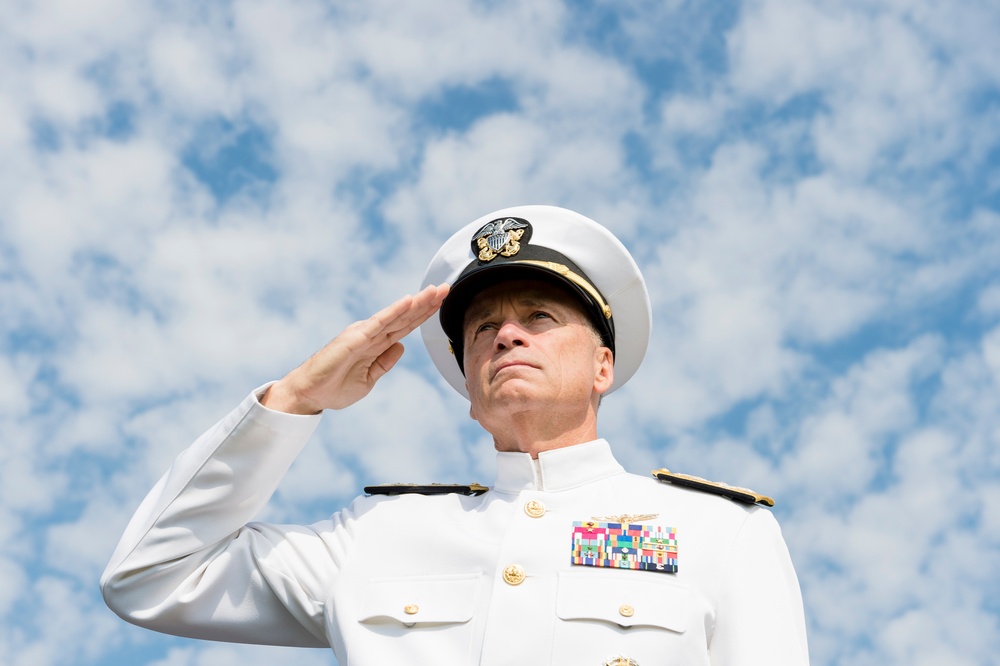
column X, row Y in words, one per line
column 452, row 579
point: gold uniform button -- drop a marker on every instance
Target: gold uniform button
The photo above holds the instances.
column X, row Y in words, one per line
column 411, row 609
column 626, row 611
column 535, row 509
column 513, row 575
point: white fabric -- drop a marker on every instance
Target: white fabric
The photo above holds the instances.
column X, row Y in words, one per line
column 190, row 564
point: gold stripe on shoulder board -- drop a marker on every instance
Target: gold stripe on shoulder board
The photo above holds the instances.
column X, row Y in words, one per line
column 426, row 489
column 737, row 493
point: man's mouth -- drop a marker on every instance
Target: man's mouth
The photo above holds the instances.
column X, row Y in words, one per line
column 511, row 364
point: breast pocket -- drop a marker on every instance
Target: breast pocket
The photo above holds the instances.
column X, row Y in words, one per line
column 604, row 613
column 410, row 619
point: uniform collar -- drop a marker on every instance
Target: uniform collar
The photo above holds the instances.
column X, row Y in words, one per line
column 559, row 469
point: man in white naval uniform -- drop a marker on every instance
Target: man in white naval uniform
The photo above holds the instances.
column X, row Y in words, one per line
column 566, row 559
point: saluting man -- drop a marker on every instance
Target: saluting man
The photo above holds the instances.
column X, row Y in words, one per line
column 566, row 559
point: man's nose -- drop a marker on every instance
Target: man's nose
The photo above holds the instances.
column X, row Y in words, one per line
column 510, row 335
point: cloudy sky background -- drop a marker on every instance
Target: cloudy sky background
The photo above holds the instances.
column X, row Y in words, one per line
column 193, row 198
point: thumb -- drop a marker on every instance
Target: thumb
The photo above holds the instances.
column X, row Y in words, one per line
column 385, row 361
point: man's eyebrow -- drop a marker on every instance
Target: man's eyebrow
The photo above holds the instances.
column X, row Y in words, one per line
column 483, row 311
column 476, row 314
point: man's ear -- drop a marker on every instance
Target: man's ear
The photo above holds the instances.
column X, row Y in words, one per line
column 605, row 370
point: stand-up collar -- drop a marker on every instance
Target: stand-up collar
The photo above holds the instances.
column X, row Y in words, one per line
column 559, row 469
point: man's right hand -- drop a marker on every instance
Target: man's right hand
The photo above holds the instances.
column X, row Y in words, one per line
column 346, row 369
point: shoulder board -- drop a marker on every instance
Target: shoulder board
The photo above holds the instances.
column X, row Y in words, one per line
column 426, row 489
column 744, row 495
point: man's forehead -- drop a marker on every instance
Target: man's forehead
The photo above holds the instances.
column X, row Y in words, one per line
column 521, row 292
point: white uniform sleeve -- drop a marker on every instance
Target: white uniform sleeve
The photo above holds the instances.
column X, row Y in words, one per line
column 759, row 617
column 189, row 564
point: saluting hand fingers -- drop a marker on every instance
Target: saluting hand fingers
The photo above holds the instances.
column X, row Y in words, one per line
column 346, row 369
column 396, row 321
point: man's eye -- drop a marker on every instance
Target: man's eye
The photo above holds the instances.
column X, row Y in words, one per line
column 484, row 327
column 540, row 315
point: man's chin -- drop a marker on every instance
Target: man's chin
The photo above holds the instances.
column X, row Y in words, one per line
column 511, row 390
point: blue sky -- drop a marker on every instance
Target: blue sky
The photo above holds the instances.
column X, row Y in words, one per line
column 195, row 197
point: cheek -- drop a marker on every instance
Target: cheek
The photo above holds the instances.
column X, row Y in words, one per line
column 474, row 370
column 576, row 372
column 584, row 376
column 474, row 351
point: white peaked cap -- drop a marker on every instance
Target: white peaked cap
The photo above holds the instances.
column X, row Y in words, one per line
column 548, row 243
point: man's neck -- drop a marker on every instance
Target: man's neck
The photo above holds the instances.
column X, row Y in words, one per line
column 534, row 432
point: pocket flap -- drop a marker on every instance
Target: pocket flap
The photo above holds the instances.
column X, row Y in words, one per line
column 422, row 599
column 623, row 598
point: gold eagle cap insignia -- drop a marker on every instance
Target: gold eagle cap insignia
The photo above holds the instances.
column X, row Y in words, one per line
column 501, row 237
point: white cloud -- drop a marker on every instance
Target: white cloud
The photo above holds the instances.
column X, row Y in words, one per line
column 14, row 584
column 64, row 95
column 989, row 300
column 29, row 484
column 418, row 444
column 888, row 92
column 14, row 134
column 920, row 519
column 507, row 160
column 63, row 615
column 867, row 407
column 991, row 353
column 413, row 50
column 815, row 43
column 73, row 32
column 810, row 204
column 188, row 66
column 687, row 115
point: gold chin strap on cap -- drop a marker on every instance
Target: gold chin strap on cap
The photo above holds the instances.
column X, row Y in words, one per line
column 576, row 279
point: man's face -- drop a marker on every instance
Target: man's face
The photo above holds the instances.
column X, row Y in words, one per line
column 529, row 345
